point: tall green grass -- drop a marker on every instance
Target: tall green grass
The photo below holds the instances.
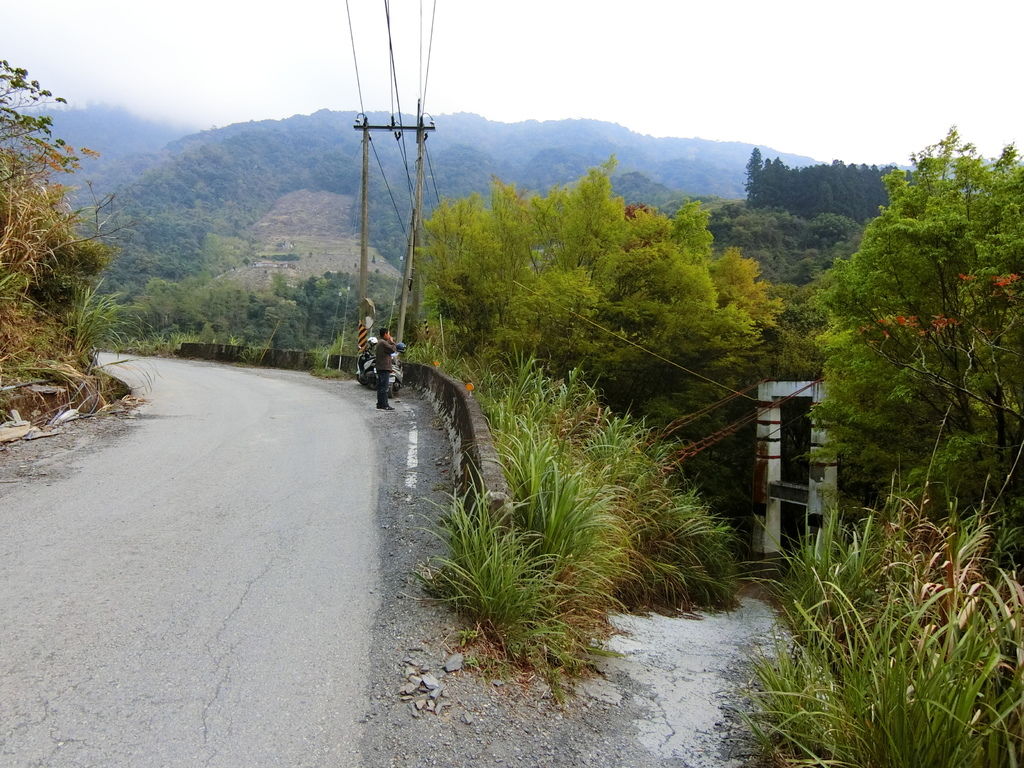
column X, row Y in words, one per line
column 908, row 650
column 92, row 320
column 494, row 575
column 595, row 525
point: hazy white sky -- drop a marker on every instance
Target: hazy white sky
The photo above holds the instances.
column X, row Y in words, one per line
column 870, row 81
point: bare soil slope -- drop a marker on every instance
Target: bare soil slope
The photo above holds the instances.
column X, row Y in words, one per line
column 306, row 234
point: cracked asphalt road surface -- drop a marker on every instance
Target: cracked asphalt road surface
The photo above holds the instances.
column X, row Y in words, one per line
column 199, row 590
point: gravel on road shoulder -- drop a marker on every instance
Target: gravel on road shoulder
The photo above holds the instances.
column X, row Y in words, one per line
column 483, row 720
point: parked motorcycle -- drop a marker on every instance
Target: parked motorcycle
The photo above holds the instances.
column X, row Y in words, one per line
column 366, row 366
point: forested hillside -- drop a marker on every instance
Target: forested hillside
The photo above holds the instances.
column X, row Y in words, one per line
column 853, row 191
column 194, row 215
column 797, row 221
column 222, row 181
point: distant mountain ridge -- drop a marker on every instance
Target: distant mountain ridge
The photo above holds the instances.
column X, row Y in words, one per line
column 515, row 152
column 539, row 154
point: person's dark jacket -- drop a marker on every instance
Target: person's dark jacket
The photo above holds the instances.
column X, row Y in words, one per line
column 383, row 354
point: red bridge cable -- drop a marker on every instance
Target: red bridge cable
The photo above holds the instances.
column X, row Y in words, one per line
column 691, row 450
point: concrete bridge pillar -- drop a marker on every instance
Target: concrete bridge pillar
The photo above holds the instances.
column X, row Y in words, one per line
column 818, row 496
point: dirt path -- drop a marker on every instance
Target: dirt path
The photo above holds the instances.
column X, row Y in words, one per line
column 689, row 674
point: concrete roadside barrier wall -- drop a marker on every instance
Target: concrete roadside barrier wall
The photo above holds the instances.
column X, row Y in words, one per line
column 468, row 431
column 473, row 452
column 292, row 359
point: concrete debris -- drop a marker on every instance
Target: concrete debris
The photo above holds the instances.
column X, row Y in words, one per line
column 9, row 434
column 35, row 433
column 454, row 663
column 431, row 682
column 422, row 691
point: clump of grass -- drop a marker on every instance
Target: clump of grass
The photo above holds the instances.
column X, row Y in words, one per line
column 907, row 650
column 595, row 525
column 494, row 577
column 92, row 320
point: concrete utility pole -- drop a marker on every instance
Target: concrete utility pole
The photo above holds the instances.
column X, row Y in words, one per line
column 364, row 225
column 366, row 308
column 417, row 216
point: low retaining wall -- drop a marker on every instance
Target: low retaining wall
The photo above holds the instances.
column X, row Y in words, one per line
column 292, row 359
column 473, row 452
column 470, row 435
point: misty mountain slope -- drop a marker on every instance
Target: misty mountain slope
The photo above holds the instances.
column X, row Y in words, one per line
column 220, row 182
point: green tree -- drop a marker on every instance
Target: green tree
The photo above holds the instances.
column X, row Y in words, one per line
column 576, row 278
column 26, row 139
column 754, row 167
column 926, row 351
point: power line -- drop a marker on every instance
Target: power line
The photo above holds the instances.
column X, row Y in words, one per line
column 355, row 61
column 420, row 100
column 433, row 178
column 396, row 98
column 430, row 50
column 633, row 343
column 384, row 176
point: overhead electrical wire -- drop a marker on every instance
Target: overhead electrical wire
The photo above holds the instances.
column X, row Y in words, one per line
column 619, row 336
column 355, row 61
column 384, row 176
column 419, row 101
column 362, row 110
column 430, row 50
column 396, row 99
column 433, row 178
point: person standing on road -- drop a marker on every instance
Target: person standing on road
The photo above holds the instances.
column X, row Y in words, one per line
column 385, row 348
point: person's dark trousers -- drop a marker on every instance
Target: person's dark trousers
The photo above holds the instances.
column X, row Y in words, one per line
column 383, row 383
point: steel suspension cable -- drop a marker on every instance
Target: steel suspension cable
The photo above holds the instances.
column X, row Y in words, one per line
column 689, row 418
column 691, row 450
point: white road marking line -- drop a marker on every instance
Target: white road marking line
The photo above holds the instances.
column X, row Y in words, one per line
column 412, row 459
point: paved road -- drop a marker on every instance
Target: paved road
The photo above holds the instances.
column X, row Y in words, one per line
column 199, row 591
